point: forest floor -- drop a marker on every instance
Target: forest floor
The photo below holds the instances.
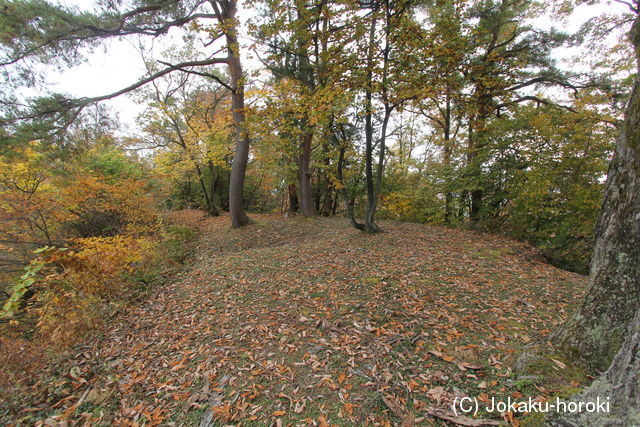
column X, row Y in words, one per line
column 291, row 321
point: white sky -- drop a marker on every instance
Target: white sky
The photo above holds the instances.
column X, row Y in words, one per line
column 118, row 63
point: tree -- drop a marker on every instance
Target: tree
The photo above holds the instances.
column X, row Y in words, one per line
column 598, row 329
column 303, row 41
column 188, row 114
column 225, row 12
column 445, row 47
column 55, row 35
column 388, row 55
column 508, row 56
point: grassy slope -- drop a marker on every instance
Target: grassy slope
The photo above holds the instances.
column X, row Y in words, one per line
column 312, row 321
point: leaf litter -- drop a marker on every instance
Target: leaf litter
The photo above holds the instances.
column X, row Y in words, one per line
column 310, row 322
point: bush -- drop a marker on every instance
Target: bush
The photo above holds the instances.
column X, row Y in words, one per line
column 75, row 289
column 174, row 243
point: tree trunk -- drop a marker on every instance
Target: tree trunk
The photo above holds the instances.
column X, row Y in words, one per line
column 372, row 202
column 304, row 175
column 476, row 143
column 596, row 331
column 327, row 204
column 476, row 205
column 373, row 191
column 211, row 209
column 215, row 177
column 369, row 224
column 448, row 213
column 327, row 188
column 619, row 386
column 241, row 154
column 293, row 198
column 348, row 200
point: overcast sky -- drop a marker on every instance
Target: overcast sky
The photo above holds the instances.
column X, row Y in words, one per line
column 118, row 63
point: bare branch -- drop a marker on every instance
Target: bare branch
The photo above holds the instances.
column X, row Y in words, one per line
column 209, row 75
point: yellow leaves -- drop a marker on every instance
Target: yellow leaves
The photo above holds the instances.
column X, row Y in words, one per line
column 86, row 277
column 198, row 131
column 397, row 205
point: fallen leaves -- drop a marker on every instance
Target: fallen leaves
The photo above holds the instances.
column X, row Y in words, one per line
column 559, row 363
column 462, row 365
column 459, row 419
column 311, row 321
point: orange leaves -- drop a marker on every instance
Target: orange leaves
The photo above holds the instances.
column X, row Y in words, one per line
column 101, row 207
column 442, row 356
column 222, row 412
column 155, row 417
column 348, row 407
column 178, row 364
column 85, row 279
column 322, row 421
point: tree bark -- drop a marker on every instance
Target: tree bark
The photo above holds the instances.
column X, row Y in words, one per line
column 619, row 386
column 596, row 331
column 372, row 202
column 215, row 178
column 293, row 198
column 327, row 187
column 448, row 214
column 348, row 200
column 327, row 204
column 369, row 224
column 241, row 156
column 475, row 145
column 211, row 209
column 304, row 175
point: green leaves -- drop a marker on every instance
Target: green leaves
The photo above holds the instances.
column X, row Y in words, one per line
column 22, row 285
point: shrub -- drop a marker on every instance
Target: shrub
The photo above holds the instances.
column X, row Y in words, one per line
column 75, row 289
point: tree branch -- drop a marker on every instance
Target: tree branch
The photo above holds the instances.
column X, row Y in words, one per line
column 210, row 75
column 70, row 104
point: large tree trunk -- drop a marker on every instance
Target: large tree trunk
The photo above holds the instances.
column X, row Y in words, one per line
column 619, row 386
column 304, row 175
column 596, row 331
column 241, row 155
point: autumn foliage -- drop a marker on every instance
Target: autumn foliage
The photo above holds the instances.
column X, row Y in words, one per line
column 92, row 240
